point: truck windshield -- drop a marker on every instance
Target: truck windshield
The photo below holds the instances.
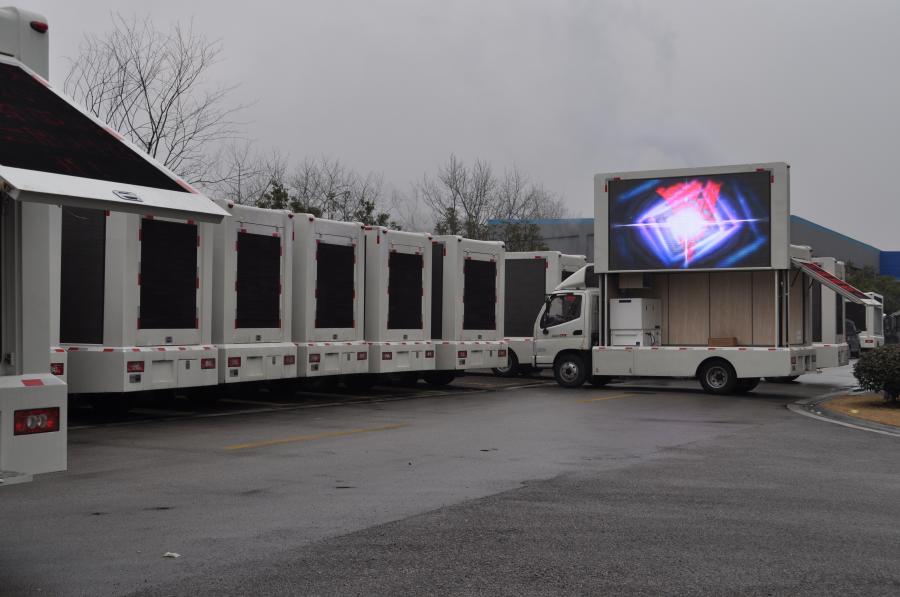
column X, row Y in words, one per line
column 561, row 308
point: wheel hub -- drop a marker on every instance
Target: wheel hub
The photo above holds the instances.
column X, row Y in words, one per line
column 717, row 377
column 569, row 371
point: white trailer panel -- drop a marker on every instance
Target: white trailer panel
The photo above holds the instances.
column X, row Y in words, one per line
column 398, row 301
column 252, row 307
column 328, row 297
column 467, row 303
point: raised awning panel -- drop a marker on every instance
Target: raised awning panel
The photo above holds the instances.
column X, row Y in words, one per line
column 831, row 281
column 52, row 152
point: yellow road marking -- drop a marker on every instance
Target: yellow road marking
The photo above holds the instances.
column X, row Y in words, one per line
column 613, row 397
column 312, row 437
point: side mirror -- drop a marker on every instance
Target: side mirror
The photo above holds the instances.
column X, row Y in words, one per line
column 545, row 331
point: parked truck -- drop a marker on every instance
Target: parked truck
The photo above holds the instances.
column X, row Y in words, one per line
column 529, row 277
column 868, row 317
column 694, row 277
column 467, row 306
column 55, row 159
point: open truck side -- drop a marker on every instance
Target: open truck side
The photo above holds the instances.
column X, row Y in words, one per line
column 695, row 278
column 54, row 157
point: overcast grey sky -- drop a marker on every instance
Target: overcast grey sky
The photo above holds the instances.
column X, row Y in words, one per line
column 564, row 89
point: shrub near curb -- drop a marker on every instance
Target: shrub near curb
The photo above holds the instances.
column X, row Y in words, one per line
column 879, row 371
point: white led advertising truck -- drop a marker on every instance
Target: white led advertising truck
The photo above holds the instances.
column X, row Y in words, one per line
column 868, row 317
column 694, row 277
column 54, row 159
column 529, row 277
column 467, row 287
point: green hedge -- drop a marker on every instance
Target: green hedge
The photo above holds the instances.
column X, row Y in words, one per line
column 879, row 371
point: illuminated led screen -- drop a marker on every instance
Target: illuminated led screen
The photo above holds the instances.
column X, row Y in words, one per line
column 41, row 131
column 696, row 222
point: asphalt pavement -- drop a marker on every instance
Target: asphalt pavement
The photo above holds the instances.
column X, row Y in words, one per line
column 484, row 488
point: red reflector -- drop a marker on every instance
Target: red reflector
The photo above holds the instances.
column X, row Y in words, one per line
column 135, row 366
column 461, row 354
column 36, row 420
column 39, row 26
column 234, row 361
column 386, row 356
column 362, row 356
column 57, row 368
column 315, row 358
column 290, row 359
column 209, row 363
column 501, row 352
column 429, row 354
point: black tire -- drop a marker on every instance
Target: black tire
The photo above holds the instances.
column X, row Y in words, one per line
column 717, row 376
column 512, row 366
column 785, row 379
column 598, row 381
column 360, row 382
column 570, row 370
column 747, row 384
column 439, row 378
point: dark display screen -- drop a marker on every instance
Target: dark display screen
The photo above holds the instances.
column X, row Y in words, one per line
column 525, row 288
column 479, row 295
column 82, row 276
column 258, row 281
column 405, row 285
column 41, row 131
column 696, row 222
column 168, row 275
column 334, row 286
column 437, row 290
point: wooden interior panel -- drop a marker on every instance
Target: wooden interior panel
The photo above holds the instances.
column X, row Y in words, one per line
column 796, row 314
column 764, row 308
column 688, row 309
column 731, row 306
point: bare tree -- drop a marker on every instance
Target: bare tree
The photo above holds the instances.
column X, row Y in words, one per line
column 241, row 174
column 332, row 190
column 152, row 86
column 475, row 203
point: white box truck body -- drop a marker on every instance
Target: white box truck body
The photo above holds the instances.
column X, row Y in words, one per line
column 467, row 290
column 46, row 168
column 398, row 301
column 328, row 297
column 868, row 317
column 251, row 317
column 829, row 313
column 529, row 276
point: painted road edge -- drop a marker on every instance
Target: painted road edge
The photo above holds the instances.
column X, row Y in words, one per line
column 811, row 407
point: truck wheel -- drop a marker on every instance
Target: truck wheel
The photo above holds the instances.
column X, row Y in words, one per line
column 747, row 384
column 512, row 366
column 439, row 378
column 718, row 377
column 570, row 371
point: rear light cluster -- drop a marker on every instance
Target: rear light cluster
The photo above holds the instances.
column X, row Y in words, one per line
column 135, row 366
column 57, row 368
column 429, row 354
column 501, row 352
column 35, row 420
column 234, row 361
column 315, row 358
column 209, row 363
column 290, row 359
column 362, row 356
column 387, row 356
column 462, row 354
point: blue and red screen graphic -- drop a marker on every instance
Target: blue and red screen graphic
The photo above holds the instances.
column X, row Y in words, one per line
column 697, row 222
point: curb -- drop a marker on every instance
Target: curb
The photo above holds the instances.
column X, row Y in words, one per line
column 811, row 407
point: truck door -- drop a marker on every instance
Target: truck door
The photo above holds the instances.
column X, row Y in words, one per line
column 560, row 326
